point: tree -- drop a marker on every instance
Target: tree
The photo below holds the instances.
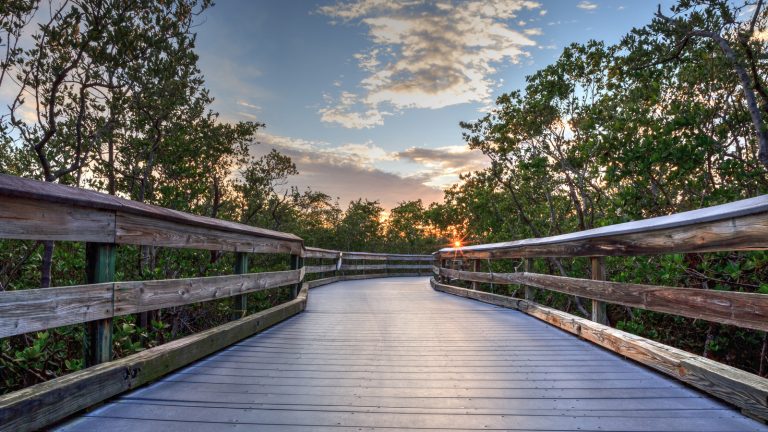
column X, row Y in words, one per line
column 361, row 228
column 718, row 23
column 263, row 188
column 407, row 229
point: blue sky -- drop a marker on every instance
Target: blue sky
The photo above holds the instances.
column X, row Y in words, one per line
column 366, row 95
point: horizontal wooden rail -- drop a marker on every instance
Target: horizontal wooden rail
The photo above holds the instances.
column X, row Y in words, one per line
column 738, row 226
column 321, row 268
column 31, row 310
column 409, row 267
column 385, row 257
column 359, row 267
column 743, row 389
column 40, row 405
column 748, row 310
column 33, row 210
column 318, row 253
column 741, row 225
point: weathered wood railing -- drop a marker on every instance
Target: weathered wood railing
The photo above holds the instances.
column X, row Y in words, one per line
column 739, row 226
column 32, row 210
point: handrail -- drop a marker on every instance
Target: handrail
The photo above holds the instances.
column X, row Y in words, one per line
column 34, row 210
column 740, row 225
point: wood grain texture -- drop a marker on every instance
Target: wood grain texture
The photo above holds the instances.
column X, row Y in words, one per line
column 18, row 189
column 409, row 266
column 377, row 276
column 324, row 281
column 395, row 355
column 321, row 268
column 40, row 405
column 530, row 292
column 140, row 296
column 329, row 280
column 40, row 309
column 318, row 253
column 599, row 309
column 740, row 232
column 360, row 267
column 26, row 219
column 33, row 310
column 747, row 310
column 385, row 257
column 747, row 391
column 143, row 230
column 99, row 268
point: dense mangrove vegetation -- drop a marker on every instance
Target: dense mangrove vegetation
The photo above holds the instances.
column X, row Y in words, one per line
column 108, row 95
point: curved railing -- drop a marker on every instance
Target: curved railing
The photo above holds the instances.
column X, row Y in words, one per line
column 738, row 226
column 33, row 210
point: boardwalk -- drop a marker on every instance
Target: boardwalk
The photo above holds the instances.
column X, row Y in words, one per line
column 394, row 354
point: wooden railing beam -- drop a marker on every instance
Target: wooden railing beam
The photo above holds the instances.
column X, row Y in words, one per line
column 747, row 310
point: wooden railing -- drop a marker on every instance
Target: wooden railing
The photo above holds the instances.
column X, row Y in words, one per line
column 32, row 210
column 739, row 226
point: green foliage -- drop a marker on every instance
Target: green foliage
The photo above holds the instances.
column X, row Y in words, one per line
column 659, row 123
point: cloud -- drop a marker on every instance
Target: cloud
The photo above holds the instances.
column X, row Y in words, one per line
column 347, row 171
column 587, row 5
column 364, row 155
column 249, row 105
column 443, row 165
column 533, row 32
column 426, row 55
column 346, row 112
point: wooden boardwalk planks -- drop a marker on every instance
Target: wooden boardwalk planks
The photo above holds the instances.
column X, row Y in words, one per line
column 394, row 354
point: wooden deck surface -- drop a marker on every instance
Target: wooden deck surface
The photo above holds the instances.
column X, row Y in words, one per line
column 393, row 354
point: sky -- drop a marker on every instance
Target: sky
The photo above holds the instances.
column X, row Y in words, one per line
column 366, row 96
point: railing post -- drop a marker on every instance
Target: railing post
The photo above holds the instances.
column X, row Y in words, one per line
column 475, row 268
column 297, row 262
column 530, row 292
column 599, row 311
column 99, row 267
column 240, row 302
column 443, row 264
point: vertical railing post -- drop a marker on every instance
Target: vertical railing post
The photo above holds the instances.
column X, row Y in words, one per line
column 443, row 264
column 599, row 310
column 99, row 267
column 475, row 268
column 530, row 292
column 240, row 302
column 297, row 262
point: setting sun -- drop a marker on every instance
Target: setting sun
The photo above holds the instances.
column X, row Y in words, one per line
column 457, row 244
